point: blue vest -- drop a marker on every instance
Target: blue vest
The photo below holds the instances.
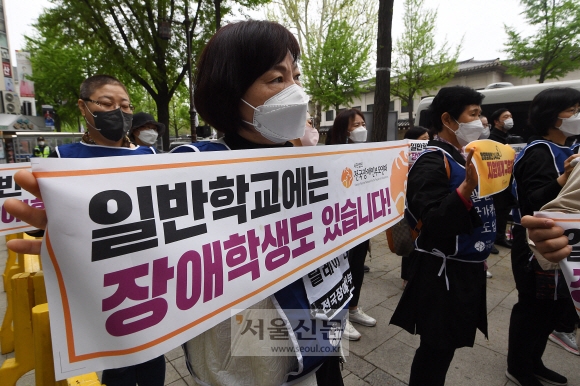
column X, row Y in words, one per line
column 474, row 247
column 292, row 297
column 85, row 150
column 559, row 154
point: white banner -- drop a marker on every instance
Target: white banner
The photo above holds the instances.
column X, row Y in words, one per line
column 9, row 189
column 570, row 266
column 518, row 147
column 416, row 147
column 143, row 253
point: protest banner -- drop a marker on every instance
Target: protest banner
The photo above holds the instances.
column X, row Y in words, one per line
column 494, row 163
column 9, row 189
column 518, row 147
column 144, row 253
column 416, row 147
column 570, row 266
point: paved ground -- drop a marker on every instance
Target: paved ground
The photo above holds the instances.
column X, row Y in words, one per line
column 383, row 355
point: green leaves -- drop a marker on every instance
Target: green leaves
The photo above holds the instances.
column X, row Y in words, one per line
column 336, row 39
column 420, row 66
column 554, row 50
column 79, row 38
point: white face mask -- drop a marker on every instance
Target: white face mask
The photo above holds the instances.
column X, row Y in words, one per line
column 281, row 118
column 485, row 133
column 508, row 123
column 41, row 143
column 310, row 137
column 570, row 126
column 468, row 131
column 148, row 136
column 358, row 135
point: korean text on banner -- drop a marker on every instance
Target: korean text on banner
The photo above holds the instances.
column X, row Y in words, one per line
column 416, row 147
column 571, row 265
column 9, row 189
column 144, row 253
column 494, row 163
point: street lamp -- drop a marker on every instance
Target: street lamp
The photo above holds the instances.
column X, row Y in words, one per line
column 165, row 34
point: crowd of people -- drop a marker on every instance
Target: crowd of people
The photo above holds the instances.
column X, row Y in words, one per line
column 248, row 88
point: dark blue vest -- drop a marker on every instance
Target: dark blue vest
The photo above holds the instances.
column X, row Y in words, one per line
column 474, row 247
column 84, row 150
column 559, row 154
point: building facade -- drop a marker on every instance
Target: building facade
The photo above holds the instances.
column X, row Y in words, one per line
column 477, row 74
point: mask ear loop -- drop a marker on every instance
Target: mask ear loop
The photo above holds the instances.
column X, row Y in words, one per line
column 249, row 104
column 94, row 116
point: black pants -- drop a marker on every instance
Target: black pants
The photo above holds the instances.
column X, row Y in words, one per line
column 532, row 319
column 356, row 259
column 407, row 266
column 430, row 365
column 568, row 320
column 503, row 203
column 150, row 373
column 329, row 373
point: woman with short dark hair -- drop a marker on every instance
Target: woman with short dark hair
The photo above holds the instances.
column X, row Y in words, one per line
column 445, row 300
column 247, row 86
column 540, row 171
column 418, row 132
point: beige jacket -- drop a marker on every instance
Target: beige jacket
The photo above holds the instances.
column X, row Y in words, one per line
column 568, row 201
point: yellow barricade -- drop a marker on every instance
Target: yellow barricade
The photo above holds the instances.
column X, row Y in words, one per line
column 29, row 326
column 44, row 371
column 12, row 268
column 15, row 264
column 22, row 302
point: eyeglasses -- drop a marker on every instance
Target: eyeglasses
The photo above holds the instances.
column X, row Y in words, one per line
column 109, row 106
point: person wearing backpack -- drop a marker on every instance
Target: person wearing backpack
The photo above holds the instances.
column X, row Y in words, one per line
column 445, row 298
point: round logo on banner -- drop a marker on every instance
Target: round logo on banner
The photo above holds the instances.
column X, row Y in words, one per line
column 480, row 246
column 398, row 188
column 346, row 177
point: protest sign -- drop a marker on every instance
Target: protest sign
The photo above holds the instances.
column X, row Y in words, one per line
column 143, row 253
column 571, row 265
column 416, row 147
column 9, row 189
column 494, row 163
column 518, row 147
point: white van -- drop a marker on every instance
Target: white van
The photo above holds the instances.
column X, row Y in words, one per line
column 514, row 98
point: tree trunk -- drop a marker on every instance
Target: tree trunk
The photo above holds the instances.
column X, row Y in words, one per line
column 383, row 72
column 162, row 101
column 218, row 15
column 411, row 106
column 318, row 117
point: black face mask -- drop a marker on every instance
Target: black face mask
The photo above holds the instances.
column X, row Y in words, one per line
column 112, row 125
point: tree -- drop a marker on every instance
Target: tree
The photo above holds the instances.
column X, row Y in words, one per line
column 383, row 76
column 554, row 49
column 333, row 70
column 328, row 31
column 419, row 65
column 59, row 69
column 125, row 36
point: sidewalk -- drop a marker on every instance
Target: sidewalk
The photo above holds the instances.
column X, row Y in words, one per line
column 384, row 354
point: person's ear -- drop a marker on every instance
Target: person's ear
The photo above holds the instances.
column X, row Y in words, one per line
column 81, row 104
column 446, row 119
